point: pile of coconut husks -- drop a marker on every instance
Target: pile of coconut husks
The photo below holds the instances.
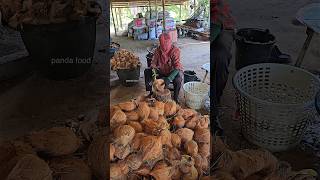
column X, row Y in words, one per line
column 147, row 139
column 124, row 59
column 38, row 12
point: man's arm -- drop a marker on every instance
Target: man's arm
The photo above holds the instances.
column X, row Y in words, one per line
column 176, row 64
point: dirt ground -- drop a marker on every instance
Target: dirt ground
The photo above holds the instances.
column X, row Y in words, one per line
column 33, row 102
column 276, row 16
column 193, row 55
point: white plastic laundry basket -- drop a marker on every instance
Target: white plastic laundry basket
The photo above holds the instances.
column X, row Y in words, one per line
column 195, row 94
column 276, row 101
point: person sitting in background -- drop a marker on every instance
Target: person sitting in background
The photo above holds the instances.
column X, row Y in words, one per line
column 167, row 63
column 222, row 36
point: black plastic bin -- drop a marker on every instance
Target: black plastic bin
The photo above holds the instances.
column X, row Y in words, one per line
column 129, row 77
column 64, row 50
column 253, row 46
column 190, row 76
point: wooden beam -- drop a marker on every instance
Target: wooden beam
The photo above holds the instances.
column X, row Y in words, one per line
column 163, row 17
column 114, row 24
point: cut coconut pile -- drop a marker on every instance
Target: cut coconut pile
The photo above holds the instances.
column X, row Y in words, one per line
column 38, row 12
column 148, row 139
column 124, row 59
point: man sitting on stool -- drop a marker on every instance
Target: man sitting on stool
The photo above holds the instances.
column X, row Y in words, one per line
column 166, row 62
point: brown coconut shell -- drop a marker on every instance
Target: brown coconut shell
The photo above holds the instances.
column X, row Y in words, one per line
column 154, row 115
column 191, row 148
column 113, row 110
column 10, row 153
column 186, row 163
column 204, row 149
column 192, row 122
column 136, row 126
column 188, row 113
column 203, row 122
column 158, row 85
column 166, row 137
column 127, row 106
column 175, row 140
column 66, row 169
column 119, row 118
column 159, row 106
column 134, row 161
column 118, row 170
column 185, row 134
column 151, row 148
column 161, row 172
column 98, row 156
column 143, row 110
column 155, row 127
column 132, row 116
column 122, row 152
column 123, row 135
column 144, row 170
column 135, row 143
column 170, row 108
column 112, row 151
column 178, row 122
column 201, row 164
column 56, row 141
column 172, row 154
column 202, row 135
column 30, row 167
column 176, row 173
column 192, row 175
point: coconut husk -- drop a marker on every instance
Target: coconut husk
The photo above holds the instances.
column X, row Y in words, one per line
column 122, row 152
column 132, row 116
column 151, row 148
column 118, row 171
column 127, row 106
column 134, row 161
column 166, row 137
column 155, row 127
column 188, row 113
column 221, row 175
column 159, row 106
column 192, row 122
column 123, row 135
column 203, row 122
column 66, row 169
column 176, row 173
column 185, row 134
column 135, row 143
column 158, row 85
column 202, row 135
column 201, row 164
column 186, row 163
column 144, row 170
column 153, row 114
column 30, row 167
column 136, row 126
column 178, row 122
column 204, row 149
column 243, row 163
column 172, row 154
column 217, row 146
column 98, row 156
column 191, row 175
column 119, row 118
column 112, row 151
column 143, row 110
column 161, row 172
column 164, row 96
column 191, row 148
column 56, row 141
column 175, row 140
column 170, row 108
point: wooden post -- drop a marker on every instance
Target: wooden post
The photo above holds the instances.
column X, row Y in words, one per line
column 150, row 9
column 156, row 18
column 117, row 21
column 120, row 12
column 163, row 15
column 114, row 23
column 180, row 16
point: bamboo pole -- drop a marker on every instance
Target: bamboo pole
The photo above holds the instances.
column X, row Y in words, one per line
column 114, row 24
column 156, row 19
column 163, row 15
column 120, row 13
column 180, row 16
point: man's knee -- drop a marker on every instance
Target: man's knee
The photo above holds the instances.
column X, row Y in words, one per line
column 148, row 72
